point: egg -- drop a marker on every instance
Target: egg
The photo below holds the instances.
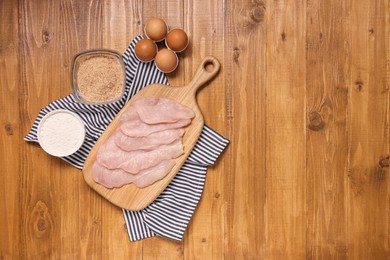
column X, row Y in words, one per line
column 156, row 29
column 166, row 60
column 145, row 50
column 177, row 40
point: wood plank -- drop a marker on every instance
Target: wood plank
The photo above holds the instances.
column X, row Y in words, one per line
column 286, row 141
column 56, row 202
column 40, row 60
column 172, row 13
column 327, row 138
column 11, row 238
column 369, row 141
column 204, row 23
column 121, row 23
column 81, row 30
column 115, row 240
column 242, row 179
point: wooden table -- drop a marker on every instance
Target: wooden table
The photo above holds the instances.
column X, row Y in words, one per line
column 303, row 95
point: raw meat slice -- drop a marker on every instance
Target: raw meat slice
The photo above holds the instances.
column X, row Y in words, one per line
column 148, row 142
column 117, row 178
column 130, row 114
column 112, row 157
column 137, row 128
column 153, row 174
column 110, row 178
column 154, row 110
column 142, row 148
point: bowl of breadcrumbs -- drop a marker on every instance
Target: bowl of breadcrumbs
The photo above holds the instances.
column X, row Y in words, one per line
column 98, row 76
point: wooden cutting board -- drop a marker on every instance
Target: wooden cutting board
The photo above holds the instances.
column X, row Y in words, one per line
column 130, row 196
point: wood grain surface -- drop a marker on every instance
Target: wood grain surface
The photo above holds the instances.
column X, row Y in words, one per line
column 303, row 95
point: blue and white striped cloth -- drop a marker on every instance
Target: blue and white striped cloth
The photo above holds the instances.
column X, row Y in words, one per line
column 168, row 215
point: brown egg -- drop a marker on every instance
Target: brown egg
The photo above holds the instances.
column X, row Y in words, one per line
column 166, row 60
column 177, row 40
column 156, row 29
column 145, row 50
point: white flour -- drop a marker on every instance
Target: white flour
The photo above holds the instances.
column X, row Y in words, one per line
column 61, row 134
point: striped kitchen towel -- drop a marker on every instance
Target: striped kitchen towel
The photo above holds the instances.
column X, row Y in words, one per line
column 168, row 215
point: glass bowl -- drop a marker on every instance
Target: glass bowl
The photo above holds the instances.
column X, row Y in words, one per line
column 97, row 76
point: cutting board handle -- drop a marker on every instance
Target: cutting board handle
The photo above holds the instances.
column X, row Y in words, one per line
column 208, row 69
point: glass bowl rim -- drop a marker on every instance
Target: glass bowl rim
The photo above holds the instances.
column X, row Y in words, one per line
column 93, row 51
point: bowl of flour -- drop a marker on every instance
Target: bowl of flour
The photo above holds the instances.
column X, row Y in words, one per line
column 61, row 133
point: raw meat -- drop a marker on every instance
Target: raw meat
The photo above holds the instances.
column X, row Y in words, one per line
column 118, row 177
column 154, row 110
column 137, row 128
column 151, row 175
column 112, row 157
column 148, row 142
column 143, row 147
column 130, row 114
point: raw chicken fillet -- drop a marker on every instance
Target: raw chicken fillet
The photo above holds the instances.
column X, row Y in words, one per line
column 132, row 125
column 143, row 148
column 153, row 140
column 113, row 157
column 118, row 177
column 154, row 110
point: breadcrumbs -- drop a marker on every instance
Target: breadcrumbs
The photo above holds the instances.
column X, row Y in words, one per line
column 100, row 78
